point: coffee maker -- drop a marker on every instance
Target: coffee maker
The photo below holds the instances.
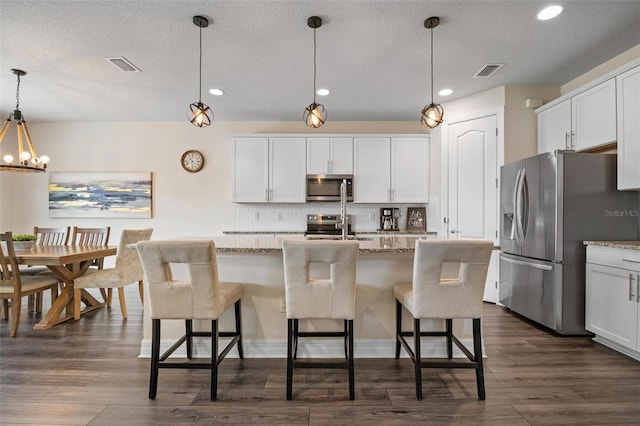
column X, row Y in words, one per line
column 389, row 218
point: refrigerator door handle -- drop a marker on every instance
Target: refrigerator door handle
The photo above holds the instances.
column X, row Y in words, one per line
column 519, row 206
column 509, row 259
column 514, row 228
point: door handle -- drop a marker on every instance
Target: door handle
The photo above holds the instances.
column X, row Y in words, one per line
column 567, row 138
column 572, row 139
column 638, row 288
column 453, row 231
column 631, row 287
column 529, row 264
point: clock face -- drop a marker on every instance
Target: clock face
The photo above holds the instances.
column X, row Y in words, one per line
column 192, row 161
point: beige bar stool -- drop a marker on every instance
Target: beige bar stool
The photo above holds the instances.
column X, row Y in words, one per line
column 433, row 296
column 200, row 297
column 328, row 298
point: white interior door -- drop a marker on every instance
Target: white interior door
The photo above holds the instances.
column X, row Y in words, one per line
column 473, row 186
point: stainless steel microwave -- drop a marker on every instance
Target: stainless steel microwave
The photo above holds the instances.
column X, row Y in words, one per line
column 327, row 187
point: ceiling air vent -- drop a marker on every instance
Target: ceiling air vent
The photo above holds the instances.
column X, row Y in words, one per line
column 123, row 64
column 488, row 70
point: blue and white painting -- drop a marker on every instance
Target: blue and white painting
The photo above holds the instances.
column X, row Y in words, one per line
column 100, row 195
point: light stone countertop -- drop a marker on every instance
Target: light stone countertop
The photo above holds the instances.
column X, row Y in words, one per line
column 629, row 245
column 268, row 244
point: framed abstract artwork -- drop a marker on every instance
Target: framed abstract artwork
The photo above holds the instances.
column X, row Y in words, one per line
column 100, row 194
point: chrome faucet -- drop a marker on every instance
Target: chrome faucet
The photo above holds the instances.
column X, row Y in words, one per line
column 344, row 220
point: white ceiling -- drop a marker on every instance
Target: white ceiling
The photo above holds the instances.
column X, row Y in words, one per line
column 372, row 55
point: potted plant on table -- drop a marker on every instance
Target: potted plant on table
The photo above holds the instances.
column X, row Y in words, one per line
column 23, row 241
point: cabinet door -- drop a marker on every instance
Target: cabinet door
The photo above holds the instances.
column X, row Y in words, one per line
column 554, row 128
column 610, row 304
column 593, row 116
column 410, row 170
column 628, row 89
column 250, row 170
column 318, row 156
column 287, row 175
column 341, row 161
column 371, row 170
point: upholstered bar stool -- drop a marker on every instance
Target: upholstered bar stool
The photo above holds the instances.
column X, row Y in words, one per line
column 329, row 298
column 200, row 297
column 434, row 296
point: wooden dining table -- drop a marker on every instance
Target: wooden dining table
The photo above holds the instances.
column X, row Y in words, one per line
column 67, row 263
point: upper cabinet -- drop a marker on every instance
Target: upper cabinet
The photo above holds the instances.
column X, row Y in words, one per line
column 392, row 170
column 330, row 156
column 628, row 91
column 593, row 116
column 269, row 170
column 584, row 121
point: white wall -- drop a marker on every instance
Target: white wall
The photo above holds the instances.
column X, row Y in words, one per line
column 184, row 204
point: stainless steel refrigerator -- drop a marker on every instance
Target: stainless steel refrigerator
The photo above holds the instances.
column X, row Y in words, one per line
column 550, row 204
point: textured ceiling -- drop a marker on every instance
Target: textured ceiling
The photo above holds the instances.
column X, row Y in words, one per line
column 372, row 55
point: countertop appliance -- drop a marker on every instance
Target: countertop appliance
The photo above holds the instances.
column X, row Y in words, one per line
column 389, row 218
column 325, row 224
column 550, row 203
column 327, row 187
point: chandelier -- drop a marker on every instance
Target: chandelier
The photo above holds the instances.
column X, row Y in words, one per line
column 27, row 159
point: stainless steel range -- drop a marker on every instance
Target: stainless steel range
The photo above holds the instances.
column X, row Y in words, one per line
column 325, row 224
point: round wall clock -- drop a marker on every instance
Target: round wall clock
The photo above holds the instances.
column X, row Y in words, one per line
column 192, row 161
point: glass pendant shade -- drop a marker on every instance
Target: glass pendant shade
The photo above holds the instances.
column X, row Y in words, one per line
column 432, row 115
column 315, row 115
column 199, row 114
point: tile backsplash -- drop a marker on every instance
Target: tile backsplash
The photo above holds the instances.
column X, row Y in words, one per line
column 293, row 217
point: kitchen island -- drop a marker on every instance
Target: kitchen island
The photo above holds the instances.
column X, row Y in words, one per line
column 256, row 261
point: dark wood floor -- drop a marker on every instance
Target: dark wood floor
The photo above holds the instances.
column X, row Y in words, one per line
column 87, row 372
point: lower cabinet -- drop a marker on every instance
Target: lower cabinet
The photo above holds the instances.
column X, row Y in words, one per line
column 613, row 297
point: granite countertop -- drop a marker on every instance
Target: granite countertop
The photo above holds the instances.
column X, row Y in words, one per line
column 244, row 244
column 373, row 232
column 629, row 245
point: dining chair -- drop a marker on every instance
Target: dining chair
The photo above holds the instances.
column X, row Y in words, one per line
column 44, row 237
column 448, row 282
column 198, row 297
column 13, row 286
column 93, row 237
column 329, row 297
column 127, row 270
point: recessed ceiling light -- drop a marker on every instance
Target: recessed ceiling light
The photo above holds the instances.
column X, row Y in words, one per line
column 216, row 92
column 323, row 92
column 549, row 12
column 445, row 92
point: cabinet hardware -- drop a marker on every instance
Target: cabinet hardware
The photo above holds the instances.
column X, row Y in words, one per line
column 638, row 288
column 631, row 295
column 566, row 140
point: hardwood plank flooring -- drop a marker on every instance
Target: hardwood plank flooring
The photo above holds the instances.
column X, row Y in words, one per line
column 87, row 372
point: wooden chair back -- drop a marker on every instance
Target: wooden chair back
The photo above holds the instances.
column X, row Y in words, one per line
column 9, row 271
column 91, row 237
column 52, row 236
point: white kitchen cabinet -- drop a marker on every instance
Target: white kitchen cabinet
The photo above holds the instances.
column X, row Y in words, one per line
column 269, row 170
column 330, row 156
column 612, row 298
column 584, row 121
column 554, row 127
column 392, row 170
column 593, row 116
column 628, row 98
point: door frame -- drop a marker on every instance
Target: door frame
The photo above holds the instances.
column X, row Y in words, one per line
column 444, row 146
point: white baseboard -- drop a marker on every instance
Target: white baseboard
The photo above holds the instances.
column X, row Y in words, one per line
column 317, row 348
column 617, row 347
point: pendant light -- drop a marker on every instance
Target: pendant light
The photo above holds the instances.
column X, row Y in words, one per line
column 432, row 114
column 198, row 113
column 315, row 114
column 28, row 160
